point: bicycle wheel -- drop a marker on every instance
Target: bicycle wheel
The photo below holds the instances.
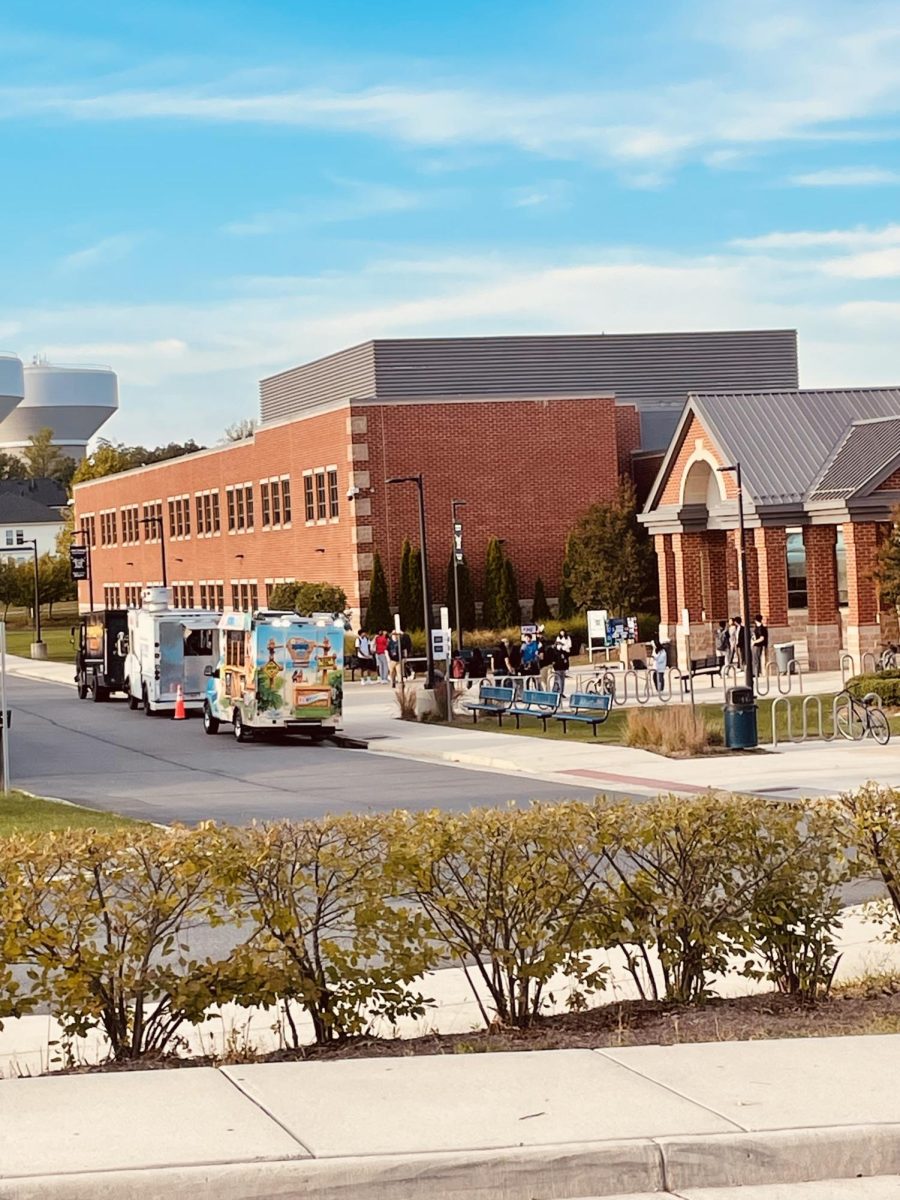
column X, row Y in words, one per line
column 851, row 722
column 878, row 726
column 887, row 662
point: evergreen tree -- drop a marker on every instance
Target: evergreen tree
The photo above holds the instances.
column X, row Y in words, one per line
column 378, row 613
column 404, row 601
column 540, row 609
column 493, row 586
column 466, row 595
column 511, row 608
column 566, row 604
column 416, row 599
column 610, row 558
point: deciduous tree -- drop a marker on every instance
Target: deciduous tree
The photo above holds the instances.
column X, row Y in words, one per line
column 610, row 559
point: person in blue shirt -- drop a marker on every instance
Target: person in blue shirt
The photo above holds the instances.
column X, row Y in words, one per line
column 530, row 656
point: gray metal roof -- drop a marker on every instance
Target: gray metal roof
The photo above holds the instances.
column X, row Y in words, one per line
column 783, row 438
column 43, row 490
column 868, row 450
column 650, row 370
column 21, row 510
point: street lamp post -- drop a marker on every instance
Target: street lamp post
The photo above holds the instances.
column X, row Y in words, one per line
column 38, row 650
column 454, row 505
column 426, row 592
column 157, row 520
column 82, row 533
column 735, row 468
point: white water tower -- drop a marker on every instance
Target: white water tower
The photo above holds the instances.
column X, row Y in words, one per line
column 72, row 401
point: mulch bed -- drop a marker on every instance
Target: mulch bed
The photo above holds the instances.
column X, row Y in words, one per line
column 868, row 1008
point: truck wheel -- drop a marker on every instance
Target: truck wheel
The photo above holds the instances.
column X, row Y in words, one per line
column 241, row 732
column 145, row 700
column 133, row 702
column 210, row 723
column 82, row 688
column 98, row 693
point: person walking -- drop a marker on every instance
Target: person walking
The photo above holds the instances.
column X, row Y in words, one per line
column 364, row 657
column 382, row 658
column 723, row 645
column 560, row 669
column 530, row 650
column 660, row 663
column 735, row 643
column 759, row 643
column 546, row 661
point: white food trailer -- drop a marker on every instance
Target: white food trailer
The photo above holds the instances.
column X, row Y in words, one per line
column 167, row 647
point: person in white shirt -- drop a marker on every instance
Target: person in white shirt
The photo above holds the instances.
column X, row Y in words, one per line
column 660, row 663
column 365, row 658
column 564, row 642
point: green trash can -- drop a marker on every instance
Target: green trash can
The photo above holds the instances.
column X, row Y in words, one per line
column 740, row 719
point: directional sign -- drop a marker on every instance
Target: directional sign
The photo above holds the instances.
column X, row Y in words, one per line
column 457, row 541
column 78, row 562
column 440, row 643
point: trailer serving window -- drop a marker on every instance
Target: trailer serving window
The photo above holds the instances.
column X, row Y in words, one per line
column 234, row 648
column 198, row 643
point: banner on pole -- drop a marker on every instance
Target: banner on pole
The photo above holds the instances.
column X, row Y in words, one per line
column 78, row 562
column 457, row 541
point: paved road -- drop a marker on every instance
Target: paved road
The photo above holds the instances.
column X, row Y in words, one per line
column 157, row 769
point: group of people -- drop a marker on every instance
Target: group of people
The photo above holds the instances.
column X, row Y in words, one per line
column 730, row 643
column 535, row 655
column 380, row 657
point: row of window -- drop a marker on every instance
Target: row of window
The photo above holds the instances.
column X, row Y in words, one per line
column 208, row 594
column 322, row 496
column 14, row 537
column 798, row 593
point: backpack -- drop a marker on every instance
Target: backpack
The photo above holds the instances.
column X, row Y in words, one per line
column 457, row 668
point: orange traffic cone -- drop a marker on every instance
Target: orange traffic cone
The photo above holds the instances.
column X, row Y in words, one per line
column 180, row 714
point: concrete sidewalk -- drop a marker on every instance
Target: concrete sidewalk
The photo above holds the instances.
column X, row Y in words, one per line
column 554, row 1124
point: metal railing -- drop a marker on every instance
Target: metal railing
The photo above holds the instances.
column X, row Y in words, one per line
column 783, row 679
column 846, row 658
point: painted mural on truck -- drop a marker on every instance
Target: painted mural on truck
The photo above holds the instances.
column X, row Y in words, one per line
column 280, row 670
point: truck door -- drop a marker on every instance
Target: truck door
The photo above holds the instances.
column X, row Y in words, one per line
column 171, row 658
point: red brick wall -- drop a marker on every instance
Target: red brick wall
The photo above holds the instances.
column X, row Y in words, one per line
column 891, row 484
column 861, row 541
column 821, row 574
column 526, row 469
column 318, row 441
column 771, row 551
column 628, row 435
column 693, row 434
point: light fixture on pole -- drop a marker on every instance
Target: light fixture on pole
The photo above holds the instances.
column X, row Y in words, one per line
column 735, row 468
column 457, row 559
column 38, row 649
column 157, row 521
column 426, row 593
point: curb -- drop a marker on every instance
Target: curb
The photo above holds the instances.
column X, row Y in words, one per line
column 644, row 1165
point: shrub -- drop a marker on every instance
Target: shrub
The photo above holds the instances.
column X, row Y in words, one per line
column 872, row 814
column 328, row 934
column 503, row 899
column 307, row 598
column 886, row 684
column 100, row 920
column 672, row 731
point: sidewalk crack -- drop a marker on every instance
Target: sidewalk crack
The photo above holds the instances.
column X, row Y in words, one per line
column 675, row 1092
column 262, row 1108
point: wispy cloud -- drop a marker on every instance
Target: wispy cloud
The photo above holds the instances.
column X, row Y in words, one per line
column 357, row 201
column 107, row 250
column 847, row 177
column 858, row 238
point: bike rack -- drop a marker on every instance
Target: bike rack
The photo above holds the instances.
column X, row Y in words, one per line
column 731, row 669
column 846, row 658
column 809, row 702
column 668, row 693
column 867, row 655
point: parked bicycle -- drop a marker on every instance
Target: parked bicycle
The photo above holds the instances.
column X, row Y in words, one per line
column 890, row 658
column 856, row 719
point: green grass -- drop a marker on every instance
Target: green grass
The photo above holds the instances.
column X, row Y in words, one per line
column 57, row 637
column 28, row 814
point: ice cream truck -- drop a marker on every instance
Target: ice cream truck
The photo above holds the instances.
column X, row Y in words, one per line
column 167, row 648
column 276, row 671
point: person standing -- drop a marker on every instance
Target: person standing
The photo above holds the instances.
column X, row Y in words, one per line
column 394, row 657
column 759, row 643
column 406, row 649
column 560, row 668
column 364, row 657
column 546, row 661
column 530, row 656
column 660, row 663
column 564, row 642
column 381, row 656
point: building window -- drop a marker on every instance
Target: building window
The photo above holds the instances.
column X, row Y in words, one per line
column 240, row 507
column 212, row 595
column 321, row 512
column 229, row 500
column 132, row 595
column 15, row 537
column 199, row 515
column 216, row 520
column 840, row 568
column 333, row 497
column 308, row 496
column 130, row 528
column 276, row 503
column 153, row 521
column 286, row 499
column 207, row 507
column 171, row 519
column 796, row 569
column 108, row 528
column 111, row 595
column 183, row 595
column 235, row 595
column 244, row 595
column 179, row 516
column 89, row 530
column 264, row 500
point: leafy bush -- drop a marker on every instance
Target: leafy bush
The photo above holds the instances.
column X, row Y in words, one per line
column 307, row 598
column 100, row 921
column 504, row 899
column 670, row 731
column 873, row 831
column 327, row 934
column 886, row 684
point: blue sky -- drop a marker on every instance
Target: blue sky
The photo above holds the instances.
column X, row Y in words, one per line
column 201, row 194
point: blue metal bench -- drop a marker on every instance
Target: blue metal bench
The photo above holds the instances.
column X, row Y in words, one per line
column 495, row 701
column 535, row 703
column 586, row 707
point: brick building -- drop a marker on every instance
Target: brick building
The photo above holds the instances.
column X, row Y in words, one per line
column 821, row 477
column 528, row 431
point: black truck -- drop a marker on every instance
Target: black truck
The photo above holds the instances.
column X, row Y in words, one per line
column 100, row 653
